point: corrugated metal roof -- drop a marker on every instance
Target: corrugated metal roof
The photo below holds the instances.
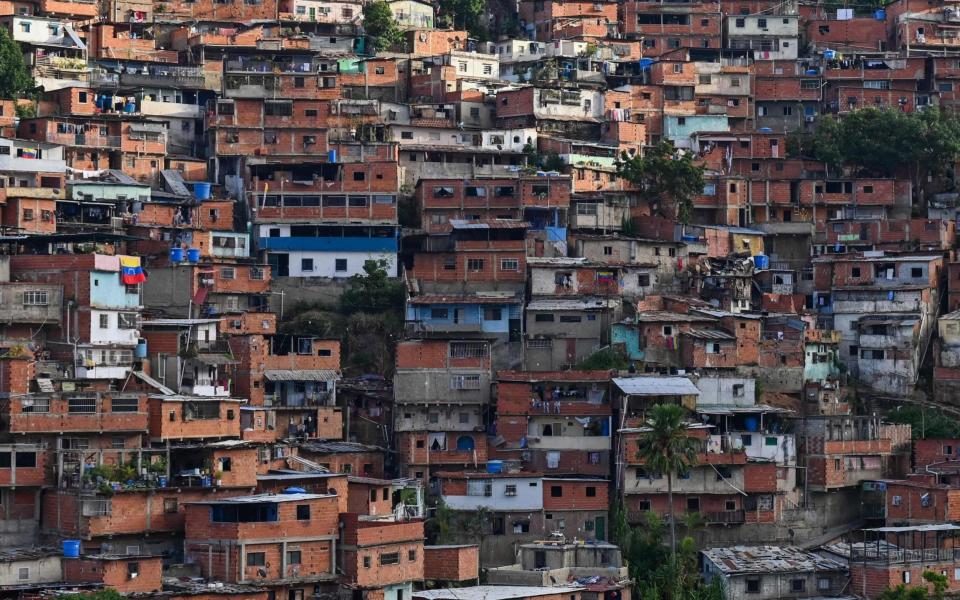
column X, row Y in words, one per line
column 301, row 375
column 768, row 559
column 494, row 592
column 215, row 358
column 179, row 322
column 572, row 304
column 463, row 299
column 663, row 316
column 337, row 447
column 153, row 383
column 656, row 386
column 953, row 316
column 260, row 498
column 488, row 224
column 709, row 334
column 930, row 527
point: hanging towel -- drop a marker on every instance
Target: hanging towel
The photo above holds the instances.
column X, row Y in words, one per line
column 130, row 271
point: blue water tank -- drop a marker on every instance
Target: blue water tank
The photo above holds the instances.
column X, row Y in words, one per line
column 201, row 190
column 176, row 255
column 761, row 261
column 162, row 481
column 294, row 490
column 193, row 255
column 751, row 423
column 880, row 14
column 129, row 107
column 829, row 54
column 765, row 130
column 494, row 466
column 71, row 548
column 141, row 351
column 332, row 156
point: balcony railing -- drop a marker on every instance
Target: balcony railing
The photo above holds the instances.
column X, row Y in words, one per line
column 724, row 517
column 314, row 400
column 870, row 553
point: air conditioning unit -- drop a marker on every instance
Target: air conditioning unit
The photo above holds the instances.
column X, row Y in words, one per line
column 810, row 118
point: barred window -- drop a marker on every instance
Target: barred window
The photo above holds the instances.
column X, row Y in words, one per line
column 35, row 405
column 464, row 382
column 124, row 405
column 82, row 405
column 468, row 349
column 35, row 298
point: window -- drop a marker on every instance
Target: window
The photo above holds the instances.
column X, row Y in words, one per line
column 693, row 504
column 509, row 264
column 916, row 272
column 761, row 23
column 293, row 557
column 390, row 558
column 492, row 314
column 464, row 382
column 82, row 405
column 823, row 583
column 510, row 490
column 25, row 27
column 905, row 576
column 643, row 279
column 740, row 23
column 340, row 264
column 306, row 264
column 468, row 349
column 591, row 492
column 678, row 68
column 570, row 318
column 124, row 405
column 359, row 176
column 897, row 500
column 366, row 562
column 753, row 583
column 411, row 555
column 474, row 264
column 439, row 313
column 256, row 273
column 464, row 418
column 35, row 298
column 704, row 80
column 303, row 512
column 643, row 505
column 170, row 505
column 556, row 491
column 798, row 585
column 855, row 272
column 770, row 441
column 256, row 559
column 23, row 573
column 228, row 273
column 543, row 318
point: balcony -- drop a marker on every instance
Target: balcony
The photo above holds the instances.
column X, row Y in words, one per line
column 426, row 329
column 81, row 139
column 306, row 402
column 164, row 76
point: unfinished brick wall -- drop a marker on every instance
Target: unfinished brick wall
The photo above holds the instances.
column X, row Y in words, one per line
column 451, row 563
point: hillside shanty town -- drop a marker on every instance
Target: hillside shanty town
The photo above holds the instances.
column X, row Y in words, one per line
column 479, row 299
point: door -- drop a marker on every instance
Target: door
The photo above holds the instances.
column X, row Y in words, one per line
column 600, row 528
column 313, row 14
column 456, row 316
column 571, row 351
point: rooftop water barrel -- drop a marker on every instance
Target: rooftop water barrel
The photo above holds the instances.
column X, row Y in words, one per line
column 193, row 255
column 494, row 466
column 761, row 261
column 176, row 255
column 201, row 190
column 141, row 351
column 71, row 548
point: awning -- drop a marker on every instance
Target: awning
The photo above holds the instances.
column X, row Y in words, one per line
column 301, row 375
column 215, row 359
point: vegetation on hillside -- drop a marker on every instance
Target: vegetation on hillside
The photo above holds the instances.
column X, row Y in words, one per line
column 666, row 178
column 368, row 320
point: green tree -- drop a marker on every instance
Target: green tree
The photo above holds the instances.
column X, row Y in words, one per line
column 382, row 29
column 926, row 422
column 374, row 291
column 666, row 448
column 602, row 360
column 465, row 15
column 98, row 595
column 15, row 78
column 902, row 592
column 665, row 178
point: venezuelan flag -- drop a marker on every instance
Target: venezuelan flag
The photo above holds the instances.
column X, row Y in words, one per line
column 130, row 271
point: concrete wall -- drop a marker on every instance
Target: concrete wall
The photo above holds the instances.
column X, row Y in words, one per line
column 42, row 570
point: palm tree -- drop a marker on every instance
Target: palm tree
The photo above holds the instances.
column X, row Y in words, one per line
column 666, row 448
